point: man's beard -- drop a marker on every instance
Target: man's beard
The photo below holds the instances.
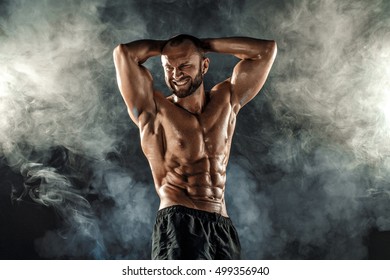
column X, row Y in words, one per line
column 195, row 84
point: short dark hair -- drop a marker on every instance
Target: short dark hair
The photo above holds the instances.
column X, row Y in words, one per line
column 179, row 39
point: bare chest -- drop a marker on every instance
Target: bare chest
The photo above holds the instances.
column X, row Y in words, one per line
column 188, row 137
column 191, row 137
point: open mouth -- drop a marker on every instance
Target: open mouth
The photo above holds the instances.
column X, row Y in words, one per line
column 180, row 82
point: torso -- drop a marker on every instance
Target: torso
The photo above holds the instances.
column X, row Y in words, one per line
column 188, row 153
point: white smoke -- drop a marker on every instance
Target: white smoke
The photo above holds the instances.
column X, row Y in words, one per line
column 79, row 233
column 54, row 69
column 313, row 174
column 329, row 92
column 51, row 57
column 336, row 57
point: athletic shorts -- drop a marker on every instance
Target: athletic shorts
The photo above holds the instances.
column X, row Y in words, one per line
column 182, row 233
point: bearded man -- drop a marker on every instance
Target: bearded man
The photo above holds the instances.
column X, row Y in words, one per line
column 187, row 136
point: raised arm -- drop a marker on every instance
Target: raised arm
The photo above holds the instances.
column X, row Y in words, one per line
column 135, row 81
column 249, row 75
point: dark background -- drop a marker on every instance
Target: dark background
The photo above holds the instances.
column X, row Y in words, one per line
column 308, row 176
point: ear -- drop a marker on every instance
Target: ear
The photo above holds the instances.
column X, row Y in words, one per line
column 205, row 65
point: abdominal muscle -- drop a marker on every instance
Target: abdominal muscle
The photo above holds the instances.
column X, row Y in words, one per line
column 188, row 154
column 193, row 191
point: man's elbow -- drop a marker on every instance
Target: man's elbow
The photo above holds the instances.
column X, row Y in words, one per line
column 119, row 51
column 266, row 50
column 270, row 50
column 273, row 48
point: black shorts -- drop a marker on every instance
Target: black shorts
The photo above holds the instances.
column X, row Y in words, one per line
column 182, row 233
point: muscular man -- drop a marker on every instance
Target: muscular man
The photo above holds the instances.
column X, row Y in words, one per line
column 186, row 136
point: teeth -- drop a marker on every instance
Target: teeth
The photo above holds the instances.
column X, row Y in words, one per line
column 181, row 83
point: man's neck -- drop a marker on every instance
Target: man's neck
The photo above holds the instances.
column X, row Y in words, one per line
column 193, row 103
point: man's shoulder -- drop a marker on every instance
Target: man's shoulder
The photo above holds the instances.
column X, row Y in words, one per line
column 163, row 103
column 221, row 89
column 223, row 86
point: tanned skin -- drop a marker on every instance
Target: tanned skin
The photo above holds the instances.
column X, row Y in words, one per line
column 187, row 136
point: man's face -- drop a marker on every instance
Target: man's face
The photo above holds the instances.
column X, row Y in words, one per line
column 183, row 68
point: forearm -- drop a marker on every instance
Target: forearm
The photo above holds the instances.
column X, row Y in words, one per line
column 241, row 47
column 139, row 51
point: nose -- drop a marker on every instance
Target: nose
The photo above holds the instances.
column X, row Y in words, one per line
column 177, row 73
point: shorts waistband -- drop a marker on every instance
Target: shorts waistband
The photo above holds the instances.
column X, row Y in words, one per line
column 204, row 215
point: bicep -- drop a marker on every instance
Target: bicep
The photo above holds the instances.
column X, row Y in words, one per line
column 248, row 77
column 135, row 84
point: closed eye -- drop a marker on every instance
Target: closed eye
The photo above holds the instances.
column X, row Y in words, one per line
column 185, row 66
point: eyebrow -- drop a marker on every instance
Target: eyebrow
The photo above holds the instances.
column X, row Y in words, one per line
column 181, row 64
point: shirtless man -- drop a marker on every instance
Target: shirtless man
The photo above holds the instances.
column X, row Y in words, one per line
column 186, row 137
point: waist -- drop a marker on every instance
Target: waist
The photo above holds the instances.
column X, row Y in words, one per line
column 209, row 199
column 201, row 214
column 195, row 192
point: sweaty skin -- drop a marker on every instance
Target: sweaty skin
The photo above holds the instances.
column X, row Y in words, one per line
column 187, row 136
